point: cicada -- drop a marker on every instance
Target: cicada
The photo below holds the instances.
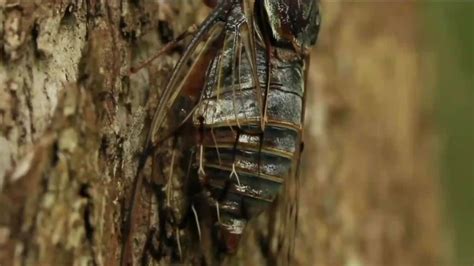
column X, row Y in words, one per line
column 234, row 104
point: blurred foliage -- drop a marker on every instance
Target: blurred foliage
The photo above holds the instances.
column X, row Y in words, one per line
column 451, row 27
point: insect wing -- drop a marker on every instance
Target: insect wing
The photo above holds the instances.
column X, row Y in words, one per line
column 176, row 96
column 183, row 90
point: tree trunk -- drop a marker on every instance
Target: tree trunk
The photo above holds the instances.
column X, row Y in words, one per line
column 73, row 122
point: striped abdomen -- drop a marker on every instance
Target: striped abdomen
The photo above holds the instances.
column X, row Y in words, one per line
column 244, row 168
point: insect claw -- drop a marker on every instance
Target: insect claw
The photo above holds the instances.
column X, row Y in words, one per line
column 197, row 221
column 201, row 171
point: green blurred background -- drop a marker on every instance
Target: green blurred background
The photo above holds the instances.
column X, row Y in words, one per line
column 451, row 25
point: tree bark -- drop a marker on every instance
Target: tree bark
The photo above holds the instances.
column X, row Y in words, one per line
column 73, row 122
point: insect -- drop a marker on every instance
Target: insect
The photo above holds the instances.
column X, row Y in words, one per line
column 236, row 99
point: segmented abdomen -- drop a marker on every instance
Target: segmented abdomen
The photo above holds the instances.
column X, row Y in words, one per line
column 244, row 169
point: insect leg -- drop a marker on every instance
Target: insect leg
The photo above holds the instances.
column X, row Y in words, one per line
column 234, row 172
column 178, row 241
column 169, row 183
column 218, row 212
column 193, row 209
column 196, row 217
column 201, row 171
column 215, row 145
column 126, row 252
column 165, row 49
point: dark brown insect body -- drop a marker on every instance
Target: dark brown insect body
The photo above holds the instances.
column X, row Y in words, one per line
column 247, row 109
column 251, row 111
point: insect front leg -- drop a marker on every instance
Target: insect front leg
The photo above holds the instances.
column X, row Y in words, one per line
column 165, row 49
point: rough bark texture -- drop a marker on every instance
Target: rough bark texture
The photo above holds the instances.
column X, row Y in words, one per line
column 73, row 121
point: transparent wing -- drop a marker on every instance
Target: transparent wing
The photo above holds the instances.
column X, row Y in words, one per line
column 233, row 94
column 187, row 78
column 179, row 94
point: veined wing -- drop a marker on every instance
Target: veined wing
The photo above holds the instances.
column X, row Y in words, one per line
column 196, row 53
column 233, row 96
